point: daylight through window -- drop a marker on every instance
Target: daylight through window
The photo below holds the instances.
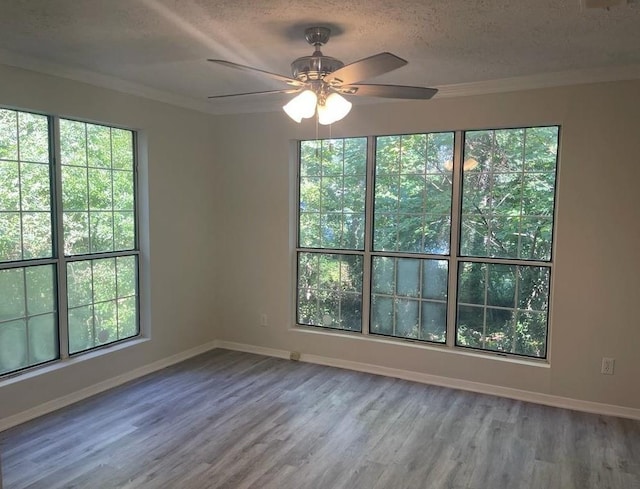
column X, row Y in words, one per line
column 396, row 240
column 68, row 245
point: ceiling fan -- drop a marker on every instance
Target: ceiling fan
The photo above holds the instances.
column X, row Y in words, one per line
column 320, row 81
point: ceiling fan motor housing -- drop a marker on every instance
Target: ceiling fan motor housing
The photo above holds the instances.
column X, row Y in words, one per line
column 314, row 67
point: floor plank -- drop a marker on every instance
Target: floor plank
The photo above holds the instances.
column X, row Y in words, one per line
column 236, row 420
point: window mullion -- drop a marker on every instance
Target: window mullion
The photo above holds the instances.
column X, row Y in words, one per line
column 456, row 219
column 368, row 235
column 61, row 268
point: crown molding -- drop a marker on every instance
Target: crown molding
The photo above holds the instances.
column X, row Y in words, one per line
column 100, row 80
column 544, row 80
column 529, row 82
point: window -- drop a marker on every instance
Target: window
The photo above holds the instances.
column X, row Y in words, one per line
column 68, row 246
column 396, row 240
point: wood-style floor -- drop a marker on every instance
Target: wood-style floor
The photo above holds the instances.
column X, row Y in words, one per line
column 235, row 420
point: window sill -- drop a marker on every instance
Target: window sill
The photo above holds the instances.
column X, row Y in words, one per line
column 408, row 343
column 60, row 364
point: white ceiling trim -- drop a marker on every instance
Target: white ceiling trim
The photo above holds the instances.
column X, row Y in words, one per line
column 99, row 80
column 546, row 80
column 530, row 82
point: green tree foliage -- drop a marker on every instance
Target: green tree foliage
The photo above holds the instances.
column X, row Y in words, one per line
column 330, row 290
column 28, row 330
column 412, row 204
column 507, row 212
column 98, row 210
column 332, row 193
column 102, row 301
column 507, row 205
column 98, row 216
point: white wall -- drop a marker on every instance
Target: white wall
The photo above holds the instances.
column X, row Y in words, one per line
column 182, row 181
column 596, row 297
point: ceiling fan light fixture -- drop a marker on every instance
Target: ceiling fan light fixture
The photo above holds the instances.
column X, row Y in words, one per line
column 302, row 106
column 335, row 108
column 318, row 81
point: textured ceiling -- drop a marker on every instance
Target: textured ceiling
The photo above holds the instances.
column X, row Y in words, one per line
column 162, row 45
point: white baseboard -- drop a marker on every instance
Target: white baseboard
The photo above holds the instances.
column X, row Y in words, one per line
column 61, row 402
column 508, row 392
column 522, row 395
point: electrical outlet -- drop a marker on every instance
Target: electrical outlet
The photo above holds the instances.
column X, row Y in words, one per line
column 607, row 366
column 264, row 321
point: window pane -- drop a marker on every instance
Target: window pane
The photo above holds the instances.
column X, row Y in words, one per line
column 125, row 230
column 98, row 215
column 408, row 277
column 25, row 200
column 13, row 346
column 98, row 146
column 28, row 329
column 435, row 277
column 106, row 322
column 123, row 190
column 101, row 224
column 73, row 143
column 12, row 294
column 36, row 235
column 102, row 301
column 332, row 193
column 79, row 284
column 94, row 193
column 407, row 319
column 75, row 195
column 10, row 179
column 434, row 321
column 100, row 190
column 126, row 275
column 43, row 338
column 8, row 134
column 330, row 290
column 35, row 187
column 40, row 289
column 382, row 315
column 33, row 137
column 127, row 320
column 122, row 149
column 104, row 280
column 384, row 275
column 76, row 233
column 409, row 298
column 413, row 188
column 10, row 236
column 81, row 331
column 503, row 308
column 508, row 198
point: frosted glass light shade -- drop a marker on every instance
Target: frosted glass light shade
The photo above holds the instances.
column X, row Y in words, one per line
column 302, row 106
column 335, row 108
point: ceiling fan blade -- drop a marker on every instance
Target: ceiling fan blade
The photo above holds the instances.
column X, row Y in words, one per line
column 286, row 90
column 275, row 76
column 389, row 91
column 375, row 65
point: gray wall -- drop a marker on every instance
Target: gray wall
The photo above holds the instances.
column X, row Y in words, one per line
column 220, row 213
column 180, row 219
column 597, row 261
